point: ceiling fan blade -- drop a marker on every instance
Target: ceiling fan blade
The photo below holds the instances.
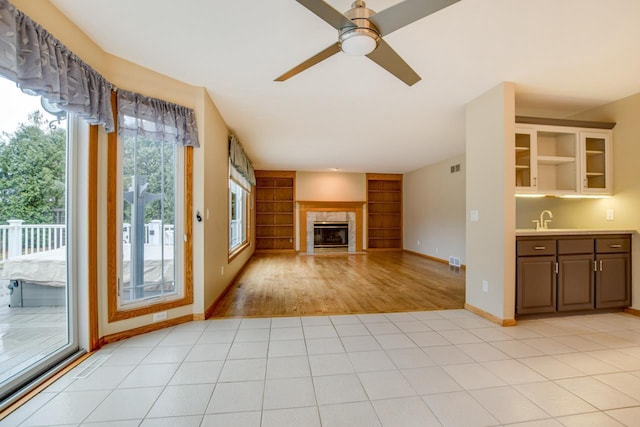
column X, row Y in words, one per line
column 388, row 59
column 320, row 56
column 406, row 12
column 330, row 15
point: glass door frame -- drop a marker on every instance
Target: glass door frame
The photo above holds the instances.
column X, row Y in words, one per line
column 40, row 371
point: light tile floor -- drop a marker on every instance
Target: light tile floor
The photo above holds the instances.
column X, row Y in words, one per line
column 436, row 368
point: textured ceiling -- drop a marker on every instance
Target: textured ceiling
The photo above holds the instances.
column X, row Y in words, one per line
column 565, row 56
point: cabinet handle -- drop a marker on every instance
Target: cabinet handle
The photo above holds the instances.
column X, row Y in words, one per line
column 615, row 246
column 595, row 266
column 539, row 248
column 557, row 268
column 600, row 265
column 535, row 179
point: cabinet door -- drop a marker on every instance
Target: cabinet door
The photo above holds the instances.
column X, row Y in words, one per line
column 536, row 285
column 575, row 282
column 526, row 166
column 613, row 280
column 596, row 162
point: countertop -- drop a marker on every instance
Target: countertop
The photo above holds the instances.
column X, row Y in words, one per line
column 569, row 232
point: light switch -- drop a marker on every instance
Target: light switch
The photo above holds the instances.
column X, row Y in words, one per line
column 610, row 215
column 474, row 216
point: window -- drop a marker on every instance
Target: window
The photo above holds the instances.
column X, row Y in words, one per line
column 239, row 205
column 150, row 196
column 150, row 167
column 238, row 218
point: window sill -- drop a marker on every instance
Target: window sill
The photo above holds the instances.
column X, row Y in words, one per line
column 238, row 250
column 123, row 313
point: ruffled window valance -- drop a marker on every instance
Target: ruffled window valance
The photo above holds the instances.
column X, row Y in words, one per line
column 155, row 119
column 239, row 160
column 40, row 64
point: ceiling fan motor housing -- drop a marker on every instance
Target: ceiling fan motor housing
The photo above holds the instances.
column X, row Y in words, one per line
column 362, row 38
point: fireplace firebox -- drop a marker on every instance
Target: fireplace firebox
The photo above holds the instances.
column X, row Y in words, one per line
column 330, row 234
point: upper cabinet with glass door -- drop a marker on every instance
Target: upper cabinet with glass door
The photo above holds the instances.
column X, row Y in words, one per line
column 562, row 161
column 526, row 166
column 596, row 161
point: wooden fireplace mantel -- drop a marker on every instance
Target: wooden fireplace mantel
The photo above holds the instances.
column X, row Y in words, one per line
column 317, row 206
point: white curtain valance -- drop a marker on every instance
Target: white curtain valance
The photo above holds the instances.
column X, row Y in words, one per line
column 239, row 160
column 155, row 119
column 41, row 65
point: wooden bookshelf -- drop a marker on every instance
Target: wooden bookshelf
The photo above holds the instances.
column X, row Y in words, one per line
column 384, row 212
column 275, row 211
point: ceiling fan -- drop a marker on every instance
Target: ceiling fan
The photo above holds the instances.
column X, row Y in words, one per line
column 360, row 32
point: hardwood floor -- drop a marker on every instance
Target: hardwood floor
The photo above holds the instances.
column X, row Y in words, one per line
column 292, row 284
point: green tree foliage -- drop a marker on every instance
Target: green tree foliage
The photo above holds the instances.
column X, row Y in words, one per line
column 32, row 172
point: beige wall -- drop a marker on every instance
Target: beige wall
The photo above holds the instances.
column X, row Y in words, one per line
column 213, row 262
column 331, row 186
column 490, row 242
column 434, row 210
column 210, row 167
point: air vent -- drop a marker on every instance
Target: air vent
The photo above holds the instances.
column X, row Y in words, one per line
column 94, row 363
column 455, row 168
column 454, row 261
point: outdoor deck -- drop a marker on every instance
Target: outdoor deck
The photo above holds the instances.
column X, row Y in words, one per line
column 28, row 334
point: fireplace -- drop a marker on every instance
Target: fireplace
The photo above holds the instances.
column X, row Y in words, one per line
column 330, row 234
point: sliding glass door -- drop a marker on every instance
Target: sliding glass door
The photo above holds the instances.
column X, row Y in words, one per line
column 37, row 290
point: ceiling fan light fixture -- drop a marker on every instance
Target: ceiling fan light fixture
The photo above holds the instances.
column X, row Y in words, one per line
column 358, row 41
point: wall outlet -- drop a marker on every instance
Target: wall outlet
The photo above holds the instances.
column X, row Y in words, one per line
column 418, row 243
column 162, row 315
column 610, row 215
column 485, row 286
column 454, row 261
column 474, row 215
column 437, row 251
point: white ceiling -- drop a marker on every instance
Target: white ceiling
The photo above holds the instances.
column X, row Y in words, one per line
column 565, row 56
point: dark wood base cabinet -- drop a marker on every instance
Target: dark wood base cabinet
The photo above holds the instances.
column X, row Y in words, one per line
column 571, row 273
column 536, row 284
column 612, row 279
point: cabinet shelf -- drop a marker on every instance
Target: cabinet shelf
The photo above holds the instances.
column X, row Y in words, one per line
column 594, row 152
column 274, row 213
column 521, row 149
column 595, row 173
column 555, row 160
column 522, row 167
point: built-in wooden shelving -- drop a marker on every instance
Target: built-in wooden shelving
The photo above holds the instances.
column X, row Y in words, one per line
column 384, row 212
column 275, row 211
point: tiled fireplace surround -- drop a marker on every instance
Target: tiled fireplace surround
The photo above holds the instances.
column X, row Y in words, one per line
column 350, row 212
column 313, row 217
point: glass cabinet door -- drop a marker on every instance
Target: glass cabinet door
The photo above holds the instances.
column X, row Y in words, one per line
column 596, row 158
column 525, row 153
